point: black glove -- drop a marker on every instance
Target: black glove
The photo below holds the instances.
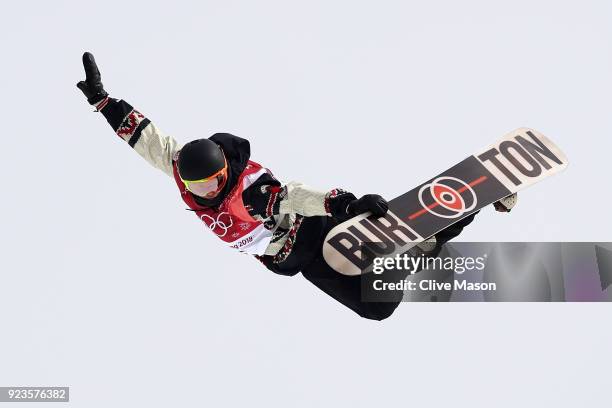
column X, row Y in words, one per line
column 369, row 202
column 92, row 85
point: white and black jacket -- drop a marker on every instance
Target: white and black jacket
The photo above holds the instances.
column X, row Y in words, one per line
column 293, row 210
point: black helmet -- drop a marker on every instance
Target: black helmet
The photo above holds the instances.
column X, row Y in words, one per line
column 199, row 159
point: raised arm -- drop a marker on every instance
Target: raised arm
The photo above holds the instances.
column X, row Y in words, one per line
column 130, row 125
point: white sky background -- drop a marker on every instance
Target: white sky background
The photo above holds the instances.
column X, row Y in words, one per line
column 110, row 287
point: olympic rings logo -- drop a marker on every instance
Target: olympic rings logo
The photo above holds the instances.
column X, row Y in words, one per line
column 217, row 223
column 448, row 193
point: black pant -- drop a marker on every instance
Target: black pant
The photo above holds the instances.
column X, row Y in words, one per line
column 307, row 257
column 345, row 289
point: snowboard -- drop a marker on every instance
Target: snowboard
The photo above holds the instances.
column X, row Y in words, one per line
column 517, row 160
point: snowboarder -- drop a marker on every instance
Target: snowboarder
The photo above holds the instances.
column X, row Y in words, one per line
column 239, row 200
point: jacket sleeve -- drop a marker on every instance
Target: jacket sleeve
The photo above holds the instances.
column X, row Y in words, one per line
column 304, row 200
column 140, row 133
column 268, row 197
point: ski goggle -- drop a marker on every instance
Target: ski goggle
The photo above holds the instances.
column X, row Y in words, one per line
column 207, row 185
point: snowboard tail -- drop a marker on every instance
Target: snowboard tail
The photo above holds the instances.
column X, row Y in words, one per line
column 516, row 161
